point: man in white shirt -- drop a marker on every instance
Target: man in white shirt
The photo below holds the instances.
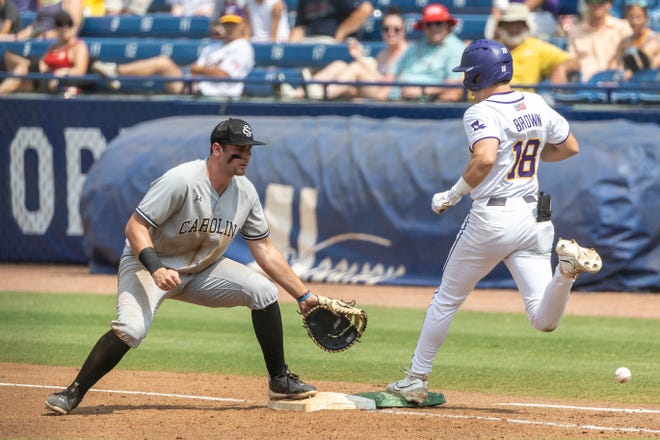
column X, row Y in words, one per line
column 231, row 55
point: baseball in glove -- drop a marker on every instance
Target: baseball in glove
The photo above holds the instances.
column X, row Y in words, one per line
column 335, row 325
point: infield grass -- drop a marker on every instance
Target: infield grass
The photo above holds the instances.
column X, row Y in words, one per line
column 485, row 352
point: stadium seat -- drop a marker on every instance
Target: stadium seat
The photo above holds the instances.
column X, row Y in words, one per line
column 568, row 7
column 468, row 6
column 151, row 25
column 607, row 80
column 305, row 54
column 25, row 48
column 122, row 50
column 259, row 84
column 643, row 87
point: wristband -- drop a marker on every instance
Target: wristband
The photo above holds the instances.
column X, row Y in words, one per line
column 300, row 299
column 150, row 259
column 461, row 187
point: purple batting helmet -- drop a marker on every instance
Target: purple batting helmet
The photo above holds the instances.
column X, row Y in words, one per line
column 484, row 63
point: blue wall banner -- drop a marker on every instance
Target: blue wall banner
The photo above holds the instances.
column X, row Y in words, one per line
column 348, row 196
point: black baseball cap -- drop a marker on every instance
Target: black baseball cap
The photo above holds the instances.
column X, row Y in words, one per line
column 235, row 132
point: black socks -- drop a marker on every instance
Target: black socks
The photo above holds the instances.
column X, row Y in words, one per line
column 267, row 324
column 105, row 355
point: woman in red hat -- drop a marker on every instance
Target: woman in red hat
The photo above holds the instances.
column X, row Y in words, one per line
column 430, row 60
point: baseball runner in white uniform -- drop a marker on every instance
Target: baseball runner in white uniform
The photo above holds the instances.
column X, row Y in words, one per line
column 175, row 243
column 509, row 133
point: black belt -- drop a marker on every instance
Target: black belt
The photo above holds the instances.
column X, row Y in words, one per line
column 501, row 201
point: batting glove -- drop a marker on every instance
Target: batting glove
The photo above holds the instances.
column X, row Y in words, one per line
column 444, row 200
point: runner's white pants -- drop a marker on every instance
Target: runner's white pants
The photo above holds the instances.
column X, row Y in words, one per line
column 489, row 235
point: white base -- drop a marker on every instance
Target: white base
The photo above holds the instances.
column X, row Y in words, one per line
column 324, row 400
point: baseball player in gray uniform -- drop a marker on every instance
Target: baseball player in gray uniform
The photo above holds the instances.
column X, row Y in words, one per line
column 509, row 133
column 175, row 241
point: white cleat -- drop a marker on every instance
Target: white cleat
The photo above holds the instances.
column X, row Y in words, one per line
column 413, row 388
column 574, row 259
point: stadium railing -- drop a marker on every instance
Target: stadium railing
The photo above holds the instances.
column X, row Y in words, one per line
column 183, row 52
column 263, row 82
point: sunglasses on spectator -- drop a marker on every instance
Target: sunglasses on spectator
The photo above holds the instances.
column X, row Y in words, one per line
column 596, row 2
column 393, row 29
column 429, row 24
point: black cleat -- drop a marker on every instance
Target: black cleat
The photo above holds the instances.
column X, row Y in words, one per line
column 65, row 401
column 288, row 386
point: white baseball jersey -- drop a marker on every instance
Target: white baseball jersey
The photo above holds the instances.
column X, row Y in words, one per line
column 523, row 122
column 236, row 58
column 191, row 226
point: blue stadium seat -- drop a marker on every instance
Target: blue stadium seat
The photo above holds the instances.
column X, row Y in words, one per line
column 560, row 42
column 568, row 7
column 27, row 17
column 25, row 48
column 643, row 87
column 151, row 25
column 608, row 80
column 257, row 84
column 468, row 6
column 122, row 50
column 119, row 50
column 304, row 54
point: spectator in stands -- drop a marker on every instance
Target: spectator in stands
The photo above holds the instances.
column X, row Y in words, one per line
column 363, row 68
column 10, row 20
column 269, row 21
column 534, row 60
column 543, row 20
column 189, row 8
column 131, row 7
column 594, row 41
column 641, row 50
column 43, row 26
column 68, row 56
column 329, row 21
column 231, row 58
column 430, row 59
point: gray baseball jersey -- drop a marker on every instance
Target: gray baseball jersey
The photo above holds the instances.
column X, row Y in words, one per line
column 191, row 226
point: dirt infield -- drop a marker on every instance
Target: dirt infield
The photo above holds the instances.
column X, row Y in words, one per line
column 157, row 405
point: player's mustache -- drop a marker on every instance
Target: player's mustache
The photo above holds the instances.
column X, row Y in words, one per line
column 233, row 156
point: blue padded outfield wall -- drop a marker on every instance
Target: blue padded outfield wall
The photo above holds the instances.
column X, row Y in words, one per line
column 348, row 196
